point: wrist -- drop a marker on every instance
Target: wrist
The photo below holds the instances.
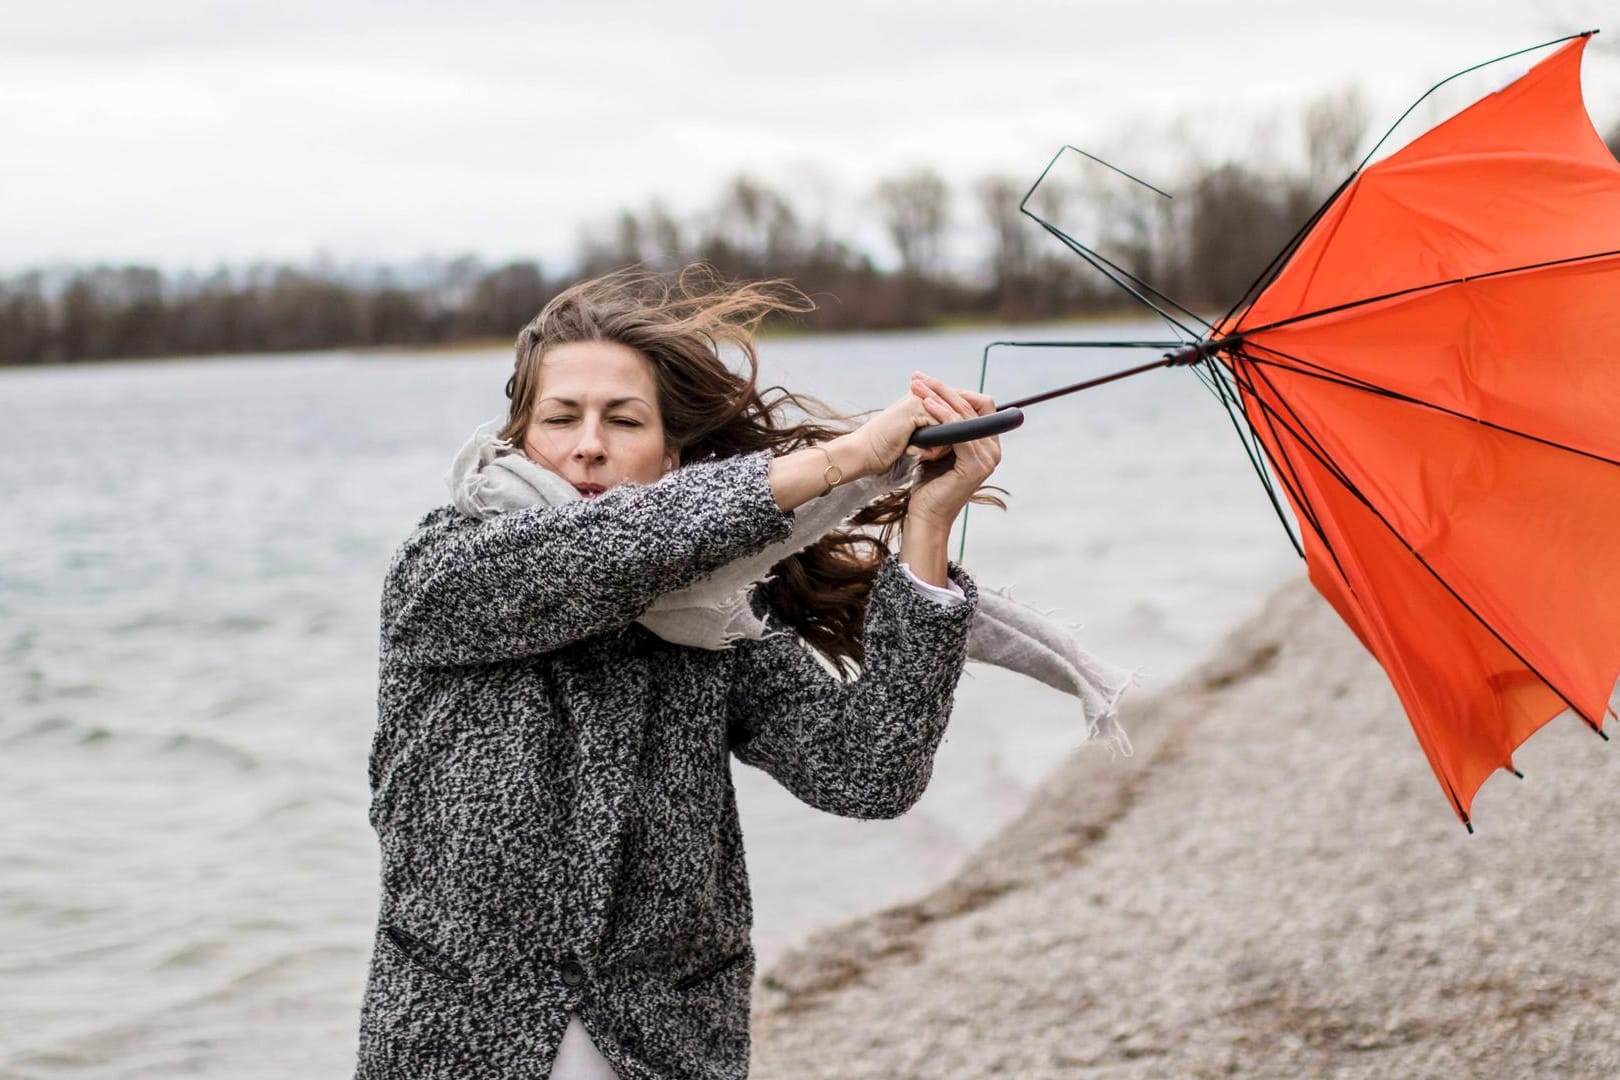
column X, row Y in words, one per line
column 923, row 522
column 849, row 456
column 923, row 548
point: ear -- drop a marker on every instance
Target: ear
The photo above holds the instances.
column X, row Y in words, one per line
column 672, row 461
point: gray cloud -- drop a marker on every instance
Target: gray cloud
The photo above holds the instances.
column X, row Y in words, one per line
column 191, row 131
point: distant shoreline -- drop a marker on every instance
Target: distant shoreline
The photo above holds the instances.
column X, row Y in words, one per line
column 471, row 345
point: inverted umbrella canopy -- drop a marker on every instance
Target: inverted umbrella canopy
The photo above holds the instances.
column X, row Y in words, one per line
column 1433, row 378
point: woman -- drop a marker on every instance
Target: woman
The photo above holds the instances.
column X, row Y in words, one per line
column 563, row 888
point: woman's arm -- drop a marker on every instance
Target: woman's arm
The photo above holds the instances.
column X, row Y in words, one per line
column 862, row 749
column 464, row 591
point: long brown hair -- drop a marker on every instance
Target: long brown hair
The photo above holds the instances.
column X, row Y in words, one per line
column 680, row 323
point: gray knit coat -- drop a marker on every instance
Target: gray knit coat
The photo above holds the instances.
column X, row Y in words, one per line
column 551, row 788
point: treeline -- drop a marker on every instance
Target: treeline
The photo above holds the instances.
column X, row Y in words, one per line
column 1203, row 247
column 133, row 311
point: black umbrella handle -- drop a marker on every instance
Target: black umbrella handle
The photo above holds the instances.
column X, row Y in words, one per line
column 978, row 427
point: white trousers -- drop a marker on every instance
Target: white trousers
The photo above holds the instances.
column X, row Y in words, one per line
column 578, row 1058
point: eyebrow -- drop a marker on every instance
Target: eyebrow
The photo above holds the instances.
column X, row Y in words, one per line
column 612, row 402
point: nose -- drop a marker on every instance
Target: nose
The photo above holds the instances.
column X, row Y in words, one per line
column 589, row 450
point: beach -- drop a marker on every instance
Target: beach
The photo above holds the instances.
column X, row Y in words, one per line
column 1273, row 885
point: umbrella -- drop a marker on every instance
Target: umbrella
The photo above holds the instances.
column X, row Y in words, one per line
column 1431, row 374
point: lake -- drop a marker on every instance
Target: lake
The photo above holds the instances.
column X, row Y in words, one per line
column 191, row 557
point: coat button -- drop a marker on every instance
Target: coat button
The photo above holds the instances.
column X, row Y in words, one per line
column 572, row 973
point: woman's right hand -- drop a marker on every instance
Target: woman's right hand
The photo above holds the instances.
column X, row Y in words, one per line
column 869, row 450
column 874, row 446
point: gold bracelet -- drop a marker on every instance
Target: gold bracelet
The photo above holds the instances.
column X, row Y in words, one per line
column 827, row 474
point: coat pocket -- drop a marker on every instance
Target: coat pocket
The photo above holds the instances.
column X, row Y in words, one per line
column 713, row 971
column 426, row 956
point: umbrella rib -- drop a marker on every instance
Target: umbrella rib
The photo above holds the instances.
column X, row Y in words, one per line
column 1289, row 477
column 1350, row 486
column 1272, row 428
column 1117, row 275
column 1327, row 374
column 1278, row 261
column 1085, row 344
column 1463, row 280
column 1216, row 385
column 1092, row 257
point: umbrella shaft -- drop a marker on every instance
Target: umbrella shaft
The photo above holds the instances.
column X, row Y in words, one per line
column 1088, row 384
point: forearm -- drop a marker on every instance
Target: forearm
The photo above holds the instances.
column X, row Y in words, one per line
column 534, row 579
column 923, row 547
column 865, row 748
column 800, row 476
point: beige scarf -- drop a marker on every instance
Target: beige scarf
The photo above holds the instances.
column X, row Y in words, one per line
column 490, row 476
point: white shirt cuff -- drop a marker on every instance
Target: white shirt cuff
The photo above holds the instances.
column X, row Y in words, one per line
column 950, row 594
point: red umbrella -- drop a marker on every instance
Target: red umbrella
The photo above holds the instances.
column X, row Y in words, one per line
column 1432, row 374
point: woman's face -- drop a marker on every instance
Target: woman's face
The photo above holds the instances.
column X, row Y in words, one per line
column 597, row 422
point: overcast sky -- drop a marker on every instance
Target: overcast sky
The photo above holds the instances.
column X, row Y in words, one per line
column 183, row 133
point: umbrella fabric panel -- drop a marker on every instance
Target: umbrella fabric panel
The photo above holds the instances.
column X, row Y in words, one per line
column 1534, row 352
column 1521, row 177
column 1471, row 701
column 1523, row 532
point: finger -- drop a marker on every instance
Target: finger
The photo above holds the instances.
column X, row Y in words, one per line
column 959, row 409
column 984, row 404
column 981, row 403
column 936, row 387
column 957, row 401
column 939, row 409
column 944, row 414
column 983, row 455
column 950, row 394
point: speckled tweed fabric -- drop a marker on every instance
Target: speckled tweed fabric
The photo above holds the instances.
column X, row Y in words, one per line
column 550, row 781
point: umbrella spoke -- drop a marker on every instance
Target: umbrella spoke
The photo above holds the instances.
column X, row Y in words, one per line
column 1326, row 374
column 1351, row 305
column 1291, row 481
column 1251, row 447
column 1275, row 267
column 1116, row 274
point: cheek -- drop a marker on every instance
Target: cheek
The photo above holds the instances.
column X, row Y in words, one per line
column 548, row 441
column 647, row 457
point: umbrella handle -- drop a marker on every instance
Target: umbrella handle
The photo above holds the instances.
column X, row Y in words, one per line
column 977, row 427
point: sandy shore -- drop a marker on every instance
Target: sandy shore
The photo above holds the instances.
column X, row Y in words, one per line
column 1273, row 886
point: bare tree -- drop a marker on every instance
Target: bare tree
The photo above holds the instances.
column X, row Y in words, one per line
column 507, row 298
column 915, row 213
column 1011, row 255
column 1233, row 221
column 752, row 231
column 1335, row 125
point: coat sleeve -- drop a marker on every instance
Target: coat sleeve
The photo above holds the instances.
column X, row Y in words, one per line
column 463, row 590
column 863, row 748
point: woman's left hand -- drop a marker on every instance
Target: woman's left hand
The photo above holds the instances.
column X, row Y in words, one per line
column 948, row 475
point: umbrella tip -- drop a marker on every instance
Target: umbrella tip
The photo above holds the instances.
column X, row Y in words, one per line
column 1469, row 825
column 1516, row 772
